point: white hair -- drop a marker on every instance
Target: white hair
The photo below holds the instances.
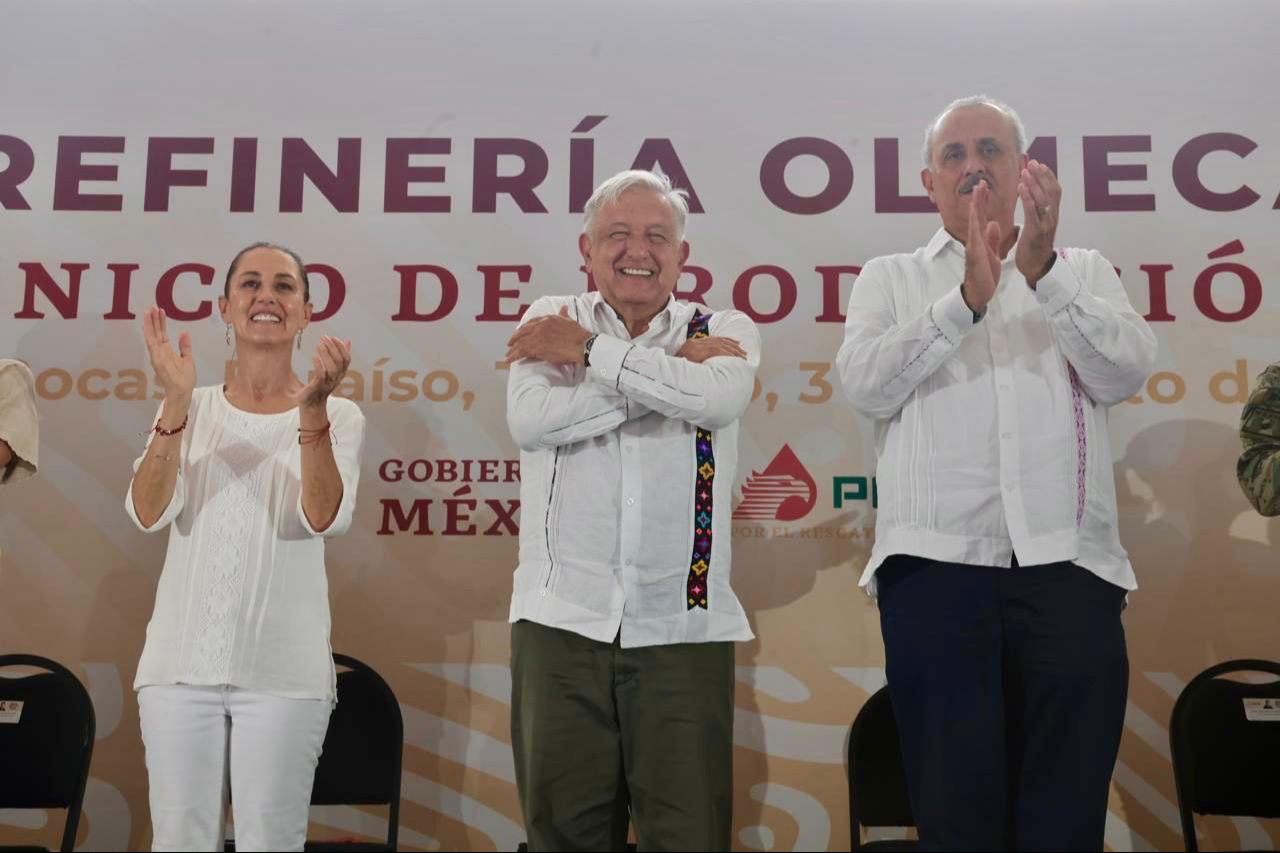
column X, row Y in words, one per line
column 631, row 179
column 1019, row 132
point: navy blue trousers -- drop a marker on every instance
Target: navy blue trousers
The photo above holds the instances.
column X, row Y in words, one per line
column 1009, row 689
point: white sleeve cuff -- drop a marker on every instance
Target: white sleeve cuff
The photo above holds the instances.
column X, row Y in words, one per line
column 952, row 316
column 1057, row 288
column 607, row 356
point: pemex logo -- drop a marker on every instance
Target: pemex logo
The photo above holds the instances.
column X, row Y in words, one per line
column 783, row 491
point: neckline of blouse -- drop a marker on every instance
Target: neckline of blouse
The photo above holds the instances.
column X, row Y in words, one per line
column 222, row 397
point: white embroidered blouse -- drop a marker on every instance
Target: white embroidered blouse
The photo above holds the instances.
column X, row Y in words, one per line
column 243, row 598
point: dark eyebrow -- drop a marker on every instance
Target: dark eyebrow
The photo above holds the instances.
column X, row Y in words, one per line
column 952, row 146
column 989, row 140
column 287, row 275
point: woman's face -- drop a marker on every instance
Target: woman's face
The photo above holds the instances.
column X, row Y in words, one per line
column 265, row 302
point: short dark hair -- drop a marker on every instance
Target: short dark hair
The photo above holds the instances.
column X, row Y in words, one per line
column 297, row 259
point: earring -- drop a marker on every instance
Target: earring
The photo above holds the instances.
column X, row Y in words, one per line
column 228, row 334
column 299, row 340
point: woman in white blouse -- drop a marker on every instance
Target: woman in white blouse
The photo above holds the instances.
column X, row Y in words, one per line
column 236, row 678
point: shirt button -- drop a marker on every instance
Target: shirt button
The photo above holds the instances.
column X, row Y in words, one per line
column 629, row 448
column 1009, row 487
column 631, row 501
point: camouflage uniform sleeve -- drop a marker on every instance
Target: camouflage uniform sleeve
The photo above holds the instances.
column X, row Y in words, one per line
column 1259, row 467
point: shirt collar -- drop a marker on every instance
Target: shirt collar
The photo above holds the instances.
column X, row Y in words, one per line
column 660, row 322
column 942, row 239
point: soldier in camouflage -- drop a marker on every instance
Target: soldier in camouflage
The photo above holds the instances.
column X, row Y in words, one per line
column 1259, row 467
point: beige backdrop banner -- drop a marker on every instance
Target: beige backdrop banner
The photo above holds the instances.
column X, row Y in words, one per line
column 429, row 159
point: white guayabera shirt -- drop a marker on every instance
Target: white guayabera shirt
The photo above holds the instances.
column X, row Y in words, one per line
column 991, row 436
column 243, row 598
column 627, row 471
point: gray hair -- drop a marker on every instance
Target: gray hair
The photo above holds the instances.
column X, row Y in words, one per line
column 1019, row 131
column 632, row 179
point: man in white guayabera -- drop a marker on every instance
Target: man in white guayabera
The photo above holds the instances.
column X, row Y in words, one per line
column 988, row 359
column 625, row 403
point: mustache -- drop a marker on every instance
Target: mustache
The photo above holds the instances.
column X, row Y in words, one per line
column 972, row 181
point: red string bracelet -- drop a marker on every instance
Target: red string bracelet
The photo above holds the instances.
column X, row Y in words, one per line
column 159, row 430
column 314, row 436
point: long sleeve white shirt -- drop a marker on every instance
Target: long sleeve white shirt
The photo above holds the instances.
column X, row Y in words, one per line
column 243, row 598
column 613, row 482
column 991, row 436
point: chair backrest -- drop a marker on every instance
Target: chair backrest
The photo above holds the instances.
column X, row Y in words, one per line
column 1223, row 762
column 47, row 751
column 877, row 785
column 361, row 759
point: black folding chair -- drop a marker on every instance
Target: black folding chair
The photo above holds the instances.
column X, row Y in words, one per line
column 1223, row 762
column 361, row 761
column 877, row 786
column 45, row 754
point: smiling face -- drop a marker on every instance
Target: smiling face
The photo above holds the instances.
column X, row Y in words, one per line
column 265, row 301
column 971, row 144
column 634, row 253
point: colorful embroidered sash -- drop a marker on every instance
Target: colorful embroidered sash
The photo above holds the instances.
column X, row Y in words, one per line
column 700, row 563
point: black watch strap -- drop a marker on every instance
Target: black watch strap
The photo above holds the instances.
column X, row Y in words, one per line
column 977, row 316
column 586, row 350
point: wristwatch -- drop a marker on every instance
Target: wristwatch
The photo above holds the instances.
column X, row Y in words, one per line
column 586, row 350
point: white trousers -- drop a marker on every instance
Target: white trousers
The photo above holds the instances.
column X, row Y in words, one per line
column 198, row 737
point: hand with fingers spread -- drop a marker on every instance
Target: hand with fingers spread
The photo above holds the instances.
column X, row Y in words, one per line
column 699, row 350
column 156, row 476
column 1041, row 196
column 981, row 252
column 176, row 371
column 555, row 339
column 329, row 364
